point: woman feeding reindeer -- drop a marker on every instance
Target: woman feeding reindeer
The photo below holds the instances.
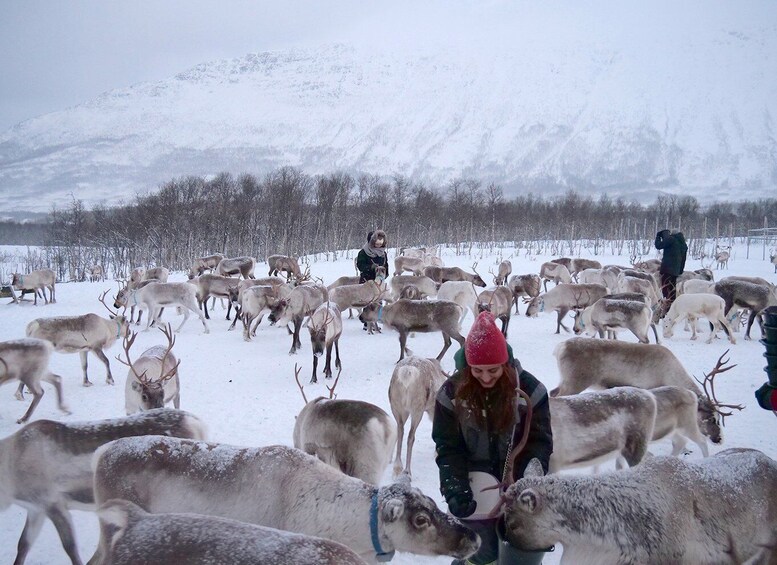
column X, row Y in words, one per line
column 372, row 256
column 491, row 416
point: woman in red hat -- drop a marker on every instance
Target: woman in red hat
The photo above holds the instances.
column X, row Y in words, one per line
column 479, row 417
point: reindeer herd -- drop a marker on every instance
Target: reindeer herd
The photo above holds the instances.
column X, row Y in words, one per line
column 162, row 493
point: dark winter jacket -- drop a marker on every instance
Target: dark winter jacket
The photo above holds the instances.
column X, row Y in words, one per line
column 675, row 252
column 464, row 446
column 370, row 257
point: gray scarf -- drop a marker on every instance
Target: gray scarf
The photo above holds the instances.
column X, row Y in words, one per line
column 374, row 251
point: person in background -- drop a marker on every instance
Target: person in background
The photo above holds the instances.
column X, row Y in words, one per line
column 673, row 262
column 479, row 417
column 372, row 255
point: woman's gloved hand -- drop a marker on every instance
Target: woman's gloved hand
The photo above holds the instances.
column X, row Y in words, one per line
column 462, row 505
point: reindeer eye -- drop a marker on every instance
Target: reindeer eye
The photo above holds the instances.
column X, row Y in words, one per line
column 421, row 521
column 144, row 397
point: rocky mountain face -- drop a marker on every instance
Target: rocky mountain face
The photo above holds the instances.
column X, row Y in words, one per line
column 696, row 116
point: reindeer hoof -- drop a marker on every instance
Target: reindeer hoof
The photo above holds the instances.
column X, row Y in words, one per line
column 88, row 383
column 110, row 381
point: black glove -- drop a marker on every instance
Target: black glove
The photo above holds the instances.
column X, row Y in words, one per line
column 462, row 505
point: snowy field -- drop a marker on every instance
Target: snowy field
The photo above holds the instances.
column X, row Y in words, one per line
column 246, row 393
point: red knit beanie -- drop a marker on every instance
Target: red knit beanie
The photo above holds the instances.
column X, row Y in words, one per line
column 485, row 344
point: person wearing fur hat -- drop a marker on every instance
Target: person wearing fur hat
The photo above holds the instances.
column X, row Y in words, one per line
column 372, row 255
column 479, row 417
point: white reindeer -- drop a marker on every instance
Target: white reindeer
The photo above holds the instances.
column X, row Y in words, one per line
column 325, row 326
column 157, row 295
column 36, row 281
column 555, row 272
column 27, row 360
column 129, row 535
column 665, row 510
column 412, row 390
column 47, row 467
column 566, row 297
column 695, row 306
column 462, row 293
column 279, row 487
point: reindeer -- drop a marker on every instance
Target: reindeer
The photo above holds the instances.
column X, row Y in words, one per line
column 129, row 535
column 47, row 467
column 566, row 297
column 357, row 295
column 578, row 265
column 156, row 295
column 585, row 363
column 301, row 301
column 236, row 295
column 505, row 270
column 35, row 281
column 462, row 293
column 665, row 510
column 202, row 264
column 27, row 360
column 524, row 285
column 676, row 410
column 297, row 493
column 414, row 265
column 648, row 266
column 412, row 391
column 498, row 301
column 325, row 325
column 419, row 316
column 351, row 436
column 82, row 334
column 214, row 285
column 141, row 277
column 591, row 427
column 289, row 265
column 427, row 286
column 152, row 380
column 444, row 274
column 694, row 306
column 96, row 273
column 160, row 274
column 746, row 295
column 643, row 285
column 555, row 272
column 773, row 260
column 607, row 314
column 411, row 292
column 255, row 300
column 722, row 256
column 241, row 266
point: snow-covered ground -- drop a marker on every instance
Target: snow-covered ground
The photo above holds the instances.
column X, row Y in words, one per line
column 247, row 395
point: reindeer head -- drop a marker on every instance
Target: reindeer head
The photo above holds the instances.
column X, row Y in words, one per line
column 151, row 387
column 711, row 416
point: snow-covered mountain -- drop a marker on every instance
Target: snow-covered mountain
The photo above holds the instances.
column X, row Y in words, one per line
column 691, row 114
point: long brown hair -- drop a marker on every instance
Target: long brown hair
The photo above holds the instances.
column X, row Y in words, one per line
column 502, row 414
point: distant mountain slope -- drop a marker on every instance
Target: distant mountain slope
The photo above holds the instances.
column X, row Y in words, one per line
column 696, row 116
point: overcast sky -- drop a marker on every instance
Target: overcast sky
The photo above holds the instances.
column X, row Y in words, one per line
column 55, row 54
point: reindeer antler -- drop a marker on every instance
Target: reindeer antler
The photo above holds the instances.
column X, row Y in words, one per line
column 334, row 385
column 102, row 299
column 129, row 340
column 167, row 330
column 709, row 378
column 297, row 370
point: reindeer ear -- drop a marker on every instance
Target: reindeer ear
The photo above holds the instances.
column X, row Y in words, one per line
column 529, row 500
column 534, row 469
column 392, row 510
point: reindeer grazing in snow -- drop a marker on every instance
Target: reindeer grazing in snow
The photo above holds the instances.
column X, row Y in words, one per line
column 129, row 535
column 302, row 301
column 746, row 295
column 214, row 285
column 427, row 286
column 35, row 281
column 524, row 285
column 415, row 265
column 325, row 325
column 288, row 265
column 296, row 493
column 444, row 274
column 82, row 334
column 498, row 301
column 556, row 272
column 412, row 391
column 47, row 467
column 665, row 510
column 27, row 360
column 152, row 380
column 419, row 316
column 694, row 306
column 351, row 436
column 607, row 314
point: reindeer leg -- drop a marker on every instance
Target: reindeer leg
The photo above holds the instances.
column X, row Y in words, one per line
column 313, row 378
column 101, row 356
column 19, row 394
column 447, row 343
column 204, row 304
column 337, row 354
column 84, row 364
column 400, row 436
column 561, row 313
column 414, row 421
column 37, row 394
column 30, row 533
column 727, row 328
column 59, row 515
column 402, row 345
column 229, row 309
column 202, row 319
column 750, row 324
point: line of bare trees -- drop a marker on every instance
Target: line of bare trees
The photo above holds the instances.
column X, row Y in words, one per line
column 291, row 213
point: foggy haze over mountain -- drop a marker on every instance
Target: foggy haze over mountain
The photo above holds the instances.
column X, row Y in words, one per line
column 628, row 100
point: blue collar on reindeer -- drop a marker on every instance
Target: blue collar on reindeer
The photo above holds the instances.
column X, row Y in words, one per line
column 118, row 328
column 380, row 555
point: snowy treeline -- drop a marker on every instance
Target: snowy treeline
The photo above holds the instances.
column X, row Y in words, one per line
column 292, row 213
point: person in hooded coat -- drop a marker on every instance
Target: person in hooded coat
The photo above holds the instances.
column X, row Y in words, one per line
column 672, row 263
column 479, row 417
column 372, row 255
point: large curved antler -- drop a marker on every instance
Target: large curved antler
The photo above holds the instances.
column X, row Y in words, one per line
column 709, row 379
